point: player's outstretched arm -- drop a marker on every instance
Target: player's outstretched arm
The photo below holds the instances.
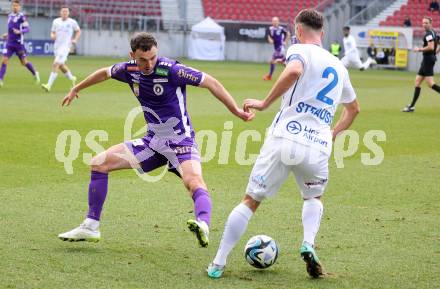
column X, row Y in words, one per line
column 76, row 36
column 287, row 78
column 218, row 90
column 96, row 77
column 348, row 115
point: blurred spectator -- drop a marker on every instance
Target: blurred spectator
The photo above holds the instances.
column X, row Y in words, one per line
column 407, row 22
column 380, row 57
column 392, row 56
column 434, row 6
column 335, row 48
column 372, row 51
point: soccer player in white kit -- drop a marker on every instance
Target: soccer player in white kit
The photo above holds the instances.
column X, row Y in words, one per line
column 65, row 32
column 351, row 56
column 313, row 83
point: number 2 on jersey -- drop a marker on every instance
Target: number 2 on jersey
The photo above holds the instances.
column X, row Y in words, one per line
column 322, row 95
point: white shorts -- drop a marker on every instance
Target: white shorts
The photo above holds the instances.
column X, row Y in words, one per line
column 61, row 55
column 352, row 60
column 278, row 157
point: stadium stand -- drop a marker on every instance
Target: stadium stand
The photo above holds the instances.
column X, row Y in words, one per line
column 416, row 10
column 4, row 6
column 110, row 8
column 257, row 10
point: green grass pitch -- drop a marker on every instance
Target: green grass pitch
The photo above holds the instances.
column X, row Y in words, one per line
column 380, row 227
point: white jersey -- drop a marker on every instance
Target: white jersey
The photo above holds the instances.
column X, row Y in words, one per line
column 350, row 47
column 64, row 31
column 308, row 107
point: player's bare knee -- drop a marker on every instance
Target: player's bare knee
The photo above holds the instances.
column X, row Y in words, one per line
column 5, row 61
column 193, row 182
column 99, row 163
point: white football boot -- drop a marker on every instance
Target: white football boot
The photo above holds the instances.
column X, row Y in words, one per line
column 87, row 231
column 200, row 230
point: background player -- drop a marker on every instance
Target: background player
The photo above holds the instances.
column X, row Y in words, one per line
column 160, row 86
column 426, row 71
column 351, row 54
column 65, row 31
column 278, row 36
column 17, row 27
column 313, row 83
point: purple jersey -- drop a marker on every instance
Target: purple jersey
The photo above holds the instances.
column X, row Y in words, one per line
column 278, row 35
column 163, row 92
column 16, row 21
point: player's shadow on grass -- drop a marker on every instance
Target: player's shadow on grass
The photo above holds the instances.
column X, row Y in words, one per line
column 77, row 249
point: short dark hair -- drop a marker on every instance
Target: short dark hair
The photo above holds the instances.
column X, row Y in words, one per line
column 15, row 1
column 143, row 41
column 346, row 28
column 310, row 18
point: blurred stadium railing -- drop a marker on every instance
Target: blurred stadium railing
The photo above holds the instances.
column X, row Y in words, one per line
column 102, row 14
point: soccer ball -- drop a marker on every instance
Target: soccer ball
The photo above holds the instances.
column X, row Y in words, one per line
column 261, row 251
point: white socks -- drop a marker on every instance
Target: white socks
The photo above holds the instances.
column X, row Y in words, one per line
column 311, row 219
column 69, row 75
column 52, row 77
column 91, row 223
column 234, row 228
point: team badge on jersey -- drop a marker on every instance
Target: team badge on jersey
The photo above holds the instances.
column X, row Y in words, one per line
column 136, row 89
column 158, row 89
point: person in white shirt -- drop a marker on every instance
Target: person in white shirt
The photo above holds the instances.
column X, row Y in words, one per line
column 312, row 85
column 65, row 32
column 351, row 56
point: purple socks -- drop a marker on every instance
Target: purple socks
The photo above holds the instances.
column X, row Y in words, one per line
column 202, row 205
column 30, row 68
column 2, row 71
column 272, row 68
column 97, row 193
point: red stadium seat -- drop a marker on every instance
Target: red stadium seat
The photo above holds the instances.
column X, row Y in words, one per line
column 416, row 10
column 257, row 10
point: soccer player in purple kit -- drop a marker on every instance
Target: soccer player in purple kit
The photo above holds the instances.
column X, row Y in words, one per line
column 278, row 36
column 159, row 84
column 17, row 27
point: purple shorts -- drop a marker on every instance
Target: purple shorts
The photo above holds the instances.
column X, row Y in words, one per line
column 18, row 49
column 152, row 153
column 278, row 54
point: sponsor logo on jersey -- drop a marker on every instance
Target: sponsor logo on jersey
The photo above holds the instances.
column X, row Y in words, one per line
column 135, row 76
column 158, row 89
column 315, row 183
column 162, row 71
column 312, row 135
column 294, row 127
column 321, row 113
column 183, row 74
column 117, row 67
column 160, row 80
column 259, row 180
